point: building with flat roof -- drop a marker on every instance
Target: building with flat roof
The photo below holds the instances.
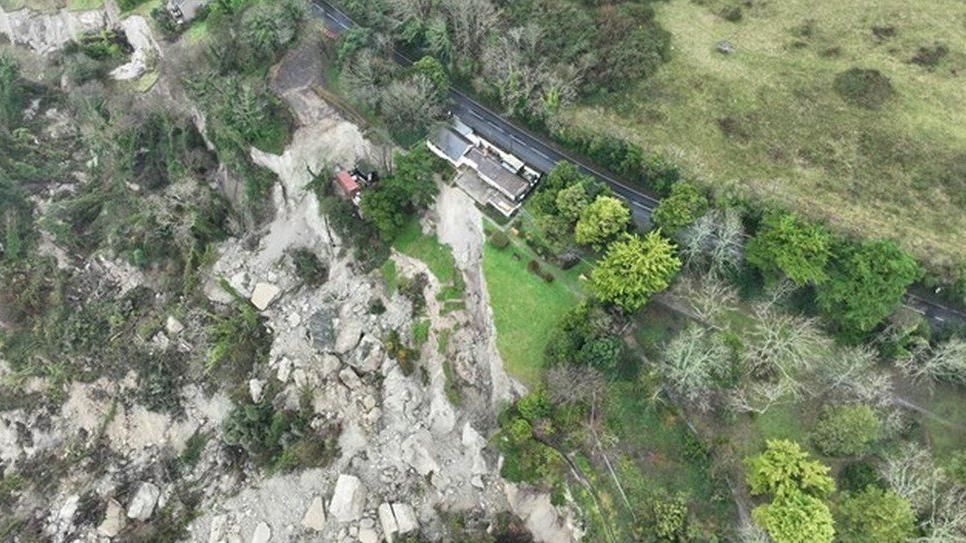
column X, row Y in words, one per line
column 497, row 180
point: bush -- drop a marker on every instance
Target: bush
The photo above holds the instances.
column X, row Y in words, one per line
column 858, row 475
column 533, row 266
column 846, row 430
column 309, row 269
column 866, row 88
column 499, row 239
column 547, row 276
column 732, row 13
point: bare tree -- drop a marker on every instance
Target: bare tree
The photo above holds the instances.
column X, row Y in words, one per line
column 361, row 77
column 944, row 363
column 946, row 519
column 913, row 474
column 692, row 361
column 851, row 375
column 783, row 346
column 714, row 242
column 411, row 103
column 759, row 397
column 707, row 296
column 469, row 21
column 569, row 385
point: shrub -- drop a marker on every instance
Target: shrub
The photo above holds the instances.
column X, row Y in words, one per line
column 669, row 519
column 929, row 56
column 732, row 13
column 874, row 515
column 858, row 475
column 866, row 88
column 499, row 239
column 533, row 266
column 309, row 269
column 547, row 276
column 846, row 430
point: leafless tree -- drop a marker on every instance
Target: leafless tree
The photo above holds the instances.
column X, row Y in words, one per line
column 946, row 518
column 913, row 474
column 361, row 77
column 714, row 242
column 692, row 360
column 707, row 296
column 783, row 346
column 944, row 363
column 759, row 397
column 469, row 21
column 411, row 103
column 851, row 375
column 569, row 385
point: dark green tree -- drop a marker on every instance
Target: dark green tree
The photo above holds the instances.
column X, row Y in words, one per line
column 866, row 283
column 874, row 515
column 787, row 245
column 677, row 211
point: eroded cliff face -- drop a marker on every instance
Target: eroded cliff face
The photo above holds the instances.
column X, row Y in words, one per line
column 46, row 32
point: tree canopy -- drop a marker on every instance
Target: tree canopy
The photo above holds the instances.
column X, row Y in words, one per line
column 796, row 518
column 411, row 188
column 846, row 430
column 874, row 515
column 601, row 221
column 866, row 283
column 787, row 245
column 784, row 468
column 680, row 209
column 633, row 269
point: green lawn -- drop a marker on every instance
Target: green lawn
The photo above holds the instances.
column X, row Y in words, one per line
column 439, row 258
column 525, row 310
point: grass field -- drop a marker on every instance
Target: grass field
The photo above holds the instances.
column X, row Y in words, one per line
column 525, row 310
column 439, row 258
column 766, row 121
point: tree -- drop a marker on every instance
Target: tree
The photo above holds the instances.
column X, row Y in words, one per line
column 411, row 105
column 784, row 469
column 413, row 171
column 571, row 202
column 874, row 515
column 943, row 363
column 385, row 207
column 796, row 518
column 693, row 362
column 601, row 221
column 433, row 70
column 846, row 430
column 568, row 384
column 268, row 27
column 714, row 242
column 787, row 245
column 633, row 269
column 11, row 92
column 679, row 210
column 866, row 283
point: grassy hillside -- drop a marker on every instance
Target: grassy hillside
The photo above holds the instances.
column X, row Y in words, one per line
column 767, row 120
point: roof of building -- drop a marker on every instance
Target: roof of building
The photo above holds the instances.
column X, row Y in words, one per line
column 452, row 144
column 348, row 184
column 490, row 168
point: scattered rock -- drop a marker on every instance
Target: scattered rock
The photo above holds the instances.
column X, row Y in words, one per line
column 368, row 535
column 348, row 499
column 725, row 47
column 263, row 295
column 350, row 379
column 256, row 387
column 388, row 522
column 349, row 335
column 173, row 326
column 405, row 518
column 262, row 534
column 314, row 518
column 142, row 506
column 113, row 520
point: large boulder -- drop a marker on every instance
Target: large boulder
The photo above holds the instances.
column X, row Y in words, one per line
column 348, row 499
column 48, row 32
column 314, row 518
column 142, row 505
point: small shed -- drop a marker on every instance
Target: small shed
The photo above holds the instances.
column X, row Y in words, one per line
column 347, row 185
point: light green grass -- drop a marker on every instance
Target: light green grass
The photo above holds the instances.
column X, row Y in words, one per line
column 390, row 276
column 421, row 332
column 197, row 32
column 796, row 142
column 438, row 257
column 525, row 310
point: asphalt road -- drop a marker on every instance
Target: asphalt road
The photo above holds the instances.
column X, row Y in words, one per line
column 543, row 155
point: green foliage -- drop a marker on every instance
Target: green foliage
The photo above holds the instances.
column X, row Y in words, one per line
column 787, row 245
column 389, row 205
column 572, row 201
column 680, row 209
column 499, row 239
column 796, row 518
column 874, row 515
column 239, row 341
column 576, row 334
column 12, row 92
column 526, row 456
column 858, row 475
column 104, row 44
column 784, row 469
column 846, row 430
column 866, row 88
column 602, row 221
column 128, row 5
column 434, row 71
column 633, row 269
column 278, row 439
column 267, row 28
column 603, row 354
column 866, row 283
column 400, row 352
column 309, row 269
column 243, row 113
column 670, row 517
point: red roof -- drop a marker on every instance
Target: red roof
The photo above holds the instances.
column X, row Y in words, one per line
column 347, row 183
